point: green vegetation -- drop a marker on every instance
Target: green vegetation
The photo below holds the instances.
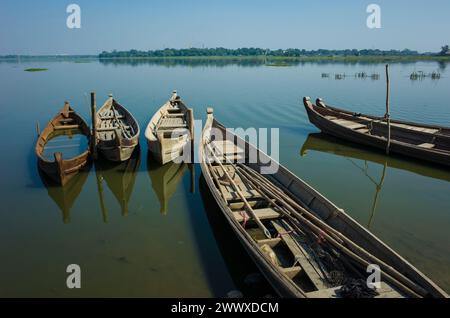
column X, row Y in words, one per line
column 370, row 55
column 445, row 50
column 35, row 69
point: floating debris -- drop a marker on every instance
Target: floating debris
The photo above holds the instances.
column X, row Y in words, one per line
column 35, row 69
column 420, row 75
column 435, row 75
column 325, row 75
column 339, row 76
column 364, row 75
column 417, row 75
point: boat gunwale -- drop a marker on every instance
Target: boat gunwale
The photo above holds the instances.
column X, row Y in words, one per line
column 39, row 149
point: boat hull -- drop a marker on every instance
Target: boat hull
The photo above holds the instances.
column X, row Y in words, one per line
column 397, row 147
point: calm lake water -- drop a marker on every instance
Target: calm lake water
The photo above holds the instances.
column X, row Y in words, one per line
column 137, row 229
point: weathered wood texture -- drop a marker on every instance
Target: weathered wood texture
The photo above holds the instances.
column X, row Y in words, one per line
column 170, row 131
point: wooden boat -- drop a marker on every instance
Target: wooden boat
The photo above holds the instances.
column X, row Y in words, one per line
column 116, row 131
column 66, row 122
column 303, row 244
column 329, row 144
column 120, row 178
column 170, row 131
column 424, row 142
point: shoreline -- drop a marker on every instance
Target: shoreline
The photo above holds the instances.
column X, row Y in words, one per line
column 355, row 59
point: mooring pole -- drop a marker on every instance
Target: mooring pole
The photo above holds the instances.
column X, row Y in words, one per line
column 94, row 126
column 387, row 115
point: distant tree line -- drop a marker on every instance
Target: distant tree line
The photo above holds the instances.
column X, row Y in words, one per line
column 220, row 51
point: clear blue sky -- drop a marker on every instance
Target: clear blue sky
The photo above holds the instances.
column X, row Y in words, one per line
column 39, row 27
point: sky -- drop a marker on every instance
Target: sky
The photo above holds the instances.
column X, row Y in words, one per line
column 39, row 27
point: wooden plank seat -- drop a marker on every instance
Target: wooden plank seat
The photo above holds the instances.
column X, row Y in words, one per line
column 226, row 147
column 262, row 214
column 169, row 122
column 426, row 145
column 348, row 123
column 173, row 115
column 248, row 194
column 106, row 117
column 111, row 128
column 65, row 120
column 299, row 255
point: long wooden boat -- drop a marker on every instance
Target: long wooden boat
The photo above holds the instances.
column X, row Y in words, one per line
column 116, row 130
column 170, row 130
column 424, row 142
column 303, row 244
column 66, row 122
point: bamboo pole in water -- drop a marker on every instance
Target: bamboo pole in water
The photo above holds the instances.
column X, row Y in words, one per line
column 387, row 115
column 94, row 126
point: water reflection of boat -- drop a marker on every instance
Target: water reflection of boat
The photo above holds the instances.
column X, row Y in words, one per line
column 120, row 178
column 324, row 143
column 65, row 196
column 328, row 144
column 166, row 178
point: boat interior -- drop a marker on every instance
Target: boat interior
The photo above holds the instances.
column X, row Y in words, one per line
column 173, row 120
column 297, row 255
column 115, row 123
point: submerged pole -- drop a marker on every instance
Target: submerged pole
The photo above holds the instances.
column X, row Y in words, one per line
column 191, row 133
column 94, row 126
column 387, row 115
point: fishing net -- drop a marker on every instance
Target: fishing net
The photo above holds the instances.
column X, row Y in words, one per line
column 356, row 288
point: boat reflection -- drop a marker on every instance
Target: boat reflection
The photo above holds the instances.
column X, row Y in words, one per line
column 120, row 178
column 66, row 195
column 166, row 178
column 328, row 144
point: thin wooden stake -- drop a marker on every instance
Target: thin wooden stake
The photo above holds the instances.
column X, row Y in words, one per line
column 94, row 126
column 191, row 132
column 387, row 115
column 38, row 130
